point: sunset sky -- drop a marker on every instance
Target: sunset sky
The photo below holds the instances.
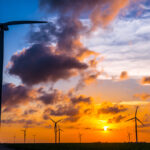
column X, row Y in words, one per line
column 89, row 65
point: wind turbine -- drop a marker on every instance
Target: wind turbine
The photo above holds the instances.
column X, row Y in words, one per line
column 34, row 138
column 3, row 28
column 136, row 120
column 80, row 137
column 55, row 128
column 59, row 130
column 14, row 139
column 129, row 135
column 24, row 131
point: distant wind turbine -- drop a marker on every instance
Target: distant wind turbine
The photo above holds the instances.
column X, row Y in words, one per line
column 136, row 120
column 34, row 138
column 55, row 128
column 129, row 135
column 24, row 131
column 59, row 130
column 4, row 27
column 80, row 137
column 14, row 139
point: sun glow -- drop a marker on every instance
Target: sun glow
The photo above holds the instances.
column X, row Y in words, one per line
column 105, row 128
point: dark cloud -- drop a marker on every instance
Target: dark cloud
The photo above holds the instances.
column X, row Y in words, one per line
column 112, row 109
column 81, row 99
column 13, row 95
column 52, row 97
column 65, row 32
column 29, row 111
column 72, row 119
column 38, row 64
column 116, row 119
column 61, row 110
column 101, row 12
column 19, row 121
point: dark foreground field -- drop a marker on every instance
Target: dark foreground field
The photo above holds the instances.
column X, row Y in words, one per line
column 89, row 146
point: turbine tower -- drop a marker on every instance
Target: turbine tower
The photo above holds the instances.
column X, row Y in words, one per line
column 136, row 120
column 59, row 130
column 55, row 128
column 129, row 137
column 80, row 137
column 3, row 28
column 34, row 138
column 14, row 139
column 24, row 131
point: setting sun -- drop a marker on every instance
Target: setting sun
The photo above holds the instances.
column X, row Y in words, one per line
column 105, row 128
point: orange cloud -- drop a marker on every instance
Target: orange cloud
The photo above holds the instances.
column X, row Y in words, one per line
column 123, row 75
column 145, row 80
column 103, row 17
column 142, row 96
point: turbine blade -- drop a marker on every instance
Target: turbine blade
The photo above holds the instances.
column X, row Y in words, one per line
column 52, row 120
column 136, row 110
column 61, row 130
column 59, row 120
column 23, row 22
column 130, row 119
column 140, row 121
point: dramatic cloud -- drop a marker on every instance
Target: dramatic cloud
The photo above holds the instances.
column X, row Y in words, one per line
column 25, row 122
column 114, row 109
column 145, row 80
column 61, row 110
column 81, row 99
column 142, row 96
column 101, row 12
column 38, row 64
column 124, row 75
column 29, row 111
column 116, row 119
column 71, row 109
column 13, row 95
column 51, row 97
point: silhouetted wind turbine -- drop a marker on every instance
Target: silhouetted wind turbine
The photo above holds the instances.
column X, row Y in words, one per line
column 55, row 128
column 129, row 137
column 14, row 139
column 59, row 130
column 80, row 137
column 136, row 119
column 24, row 131
column 4, row 27
column 34, row 138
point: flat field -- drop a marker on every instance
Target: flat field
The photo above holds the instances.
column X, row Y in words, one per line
column 78, row 146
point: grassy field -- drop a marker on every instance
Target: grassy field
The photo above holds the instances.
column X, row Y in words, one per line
column 83, row 146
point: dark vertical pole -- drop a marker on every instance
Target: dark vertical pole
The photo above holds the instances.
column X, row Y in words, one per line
column 136, row 130
column 129, row 137
column 14, row 139
column 1, row 66
column 59, row 135
column 34, row 139
column 55, row 133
